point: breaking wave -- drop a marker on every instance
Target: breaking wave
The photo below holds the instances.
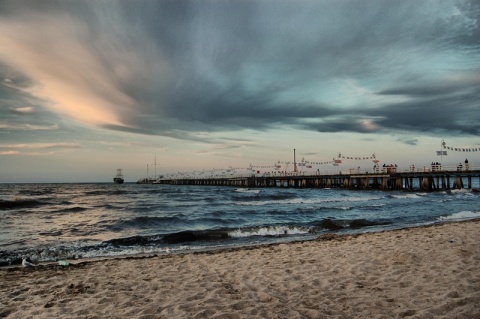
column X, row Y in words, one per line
column 464, row 215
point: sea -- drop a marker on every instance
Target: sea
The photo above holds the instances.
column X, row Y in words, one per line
column 66, row 222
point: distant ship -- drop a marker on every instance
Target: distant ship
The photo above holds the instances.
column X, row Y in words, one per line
column 119, row 178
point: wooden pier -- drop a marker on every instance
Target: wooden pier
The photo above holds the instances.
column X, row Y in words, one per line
column 407, row 181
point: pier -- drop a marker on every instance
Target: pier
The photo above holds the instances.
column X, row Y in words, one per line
column 437, row 180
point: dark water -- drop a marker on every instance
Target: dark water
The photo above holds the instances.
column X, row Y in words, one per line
column 48, row 222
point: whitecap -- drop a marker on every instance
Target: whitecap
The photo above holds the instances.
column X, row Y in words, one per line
column 247, row 190
column 268, row 231
column 463, row 215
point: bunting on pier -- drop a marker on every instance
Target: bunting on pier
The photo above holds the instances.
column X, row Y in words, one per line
column 444, row 147
column 460, row 149
column 359, row 158
column 308, row 163
column 303, row 163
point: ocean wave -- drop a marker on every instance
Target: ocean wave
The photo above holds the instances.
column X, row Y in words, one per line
column 53, row 233
column 247, row 190
column 76, row 209
column 268, row 231
column 182, row 240
column 74, row 252
column 458, row 191
column 219, row 235
column 295, row 201
column 262, row 197
column 338, row 224
column 147, row 221
column 132, row 241
column 327, row 208
column 313, row 210
column 20, row 203
column 35, row 192
column 187, row 236
column 464, row 215
column 119, row 192
column 41, row 254
column 191, row 236
column 96, row 192
column 407, row 196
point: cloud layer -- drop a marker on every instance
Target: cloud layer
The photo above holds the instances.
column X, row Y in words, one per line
column 176, row 68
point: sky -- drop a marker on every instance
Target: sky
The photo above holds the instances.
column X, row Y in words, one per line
column 87, row 87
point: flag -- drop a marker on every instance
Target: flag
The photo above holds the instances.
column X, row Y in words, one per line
column 441, row 152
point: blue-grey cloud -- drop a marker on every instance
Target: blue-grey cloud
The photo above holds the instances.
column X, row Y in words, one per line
column 173, row 68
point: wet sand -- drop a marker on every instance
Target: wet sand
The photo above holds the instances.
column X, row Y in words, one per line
column 424, row 272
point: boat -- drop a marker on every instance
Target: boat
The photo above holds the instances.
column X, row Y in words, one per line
column 119, row 178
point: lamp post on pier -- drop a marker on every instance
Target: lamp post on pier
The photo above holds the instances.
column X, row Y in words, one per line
column 442, row 147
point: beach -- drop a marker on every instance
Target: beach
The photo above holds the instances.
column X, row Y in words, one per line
column 423, row 272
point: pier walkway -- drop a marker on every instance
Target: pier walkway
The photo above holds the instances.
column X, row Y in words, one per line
column 435, row 180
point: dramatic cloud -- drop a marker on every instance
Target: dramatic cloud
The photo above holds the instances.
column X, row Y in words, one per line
column 166, row 67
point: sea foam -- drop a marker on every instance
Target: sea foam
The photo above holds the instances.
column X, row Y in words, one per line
column 464, row 215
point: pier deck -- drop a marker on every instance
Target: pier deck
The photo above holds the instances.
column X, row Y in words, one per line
column 408, row 181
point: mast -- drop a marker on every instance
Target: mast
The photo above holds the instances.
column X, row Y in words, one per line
column 294, row 162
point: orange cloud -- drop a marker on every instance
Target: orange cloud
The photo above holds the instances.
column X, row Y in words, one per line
column 29, row 127
column 39, row 146
column 68, row 69
column 9, row 152
column 36, row 149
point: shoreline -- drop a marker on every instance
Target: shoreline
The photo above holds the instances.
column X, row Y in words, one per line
column 220, row 249
column 212, row 249
column 428, row 271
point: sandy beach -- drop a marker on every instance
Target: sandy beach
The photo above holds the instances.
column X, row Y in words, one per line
column 425, row 272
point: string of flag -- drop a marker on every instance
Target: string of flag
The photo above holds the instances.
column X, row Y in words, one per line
column 309, row 164
column 444, row 147
column 372, row 157
column 462, row 149
column 279, row 165
column 283, row 166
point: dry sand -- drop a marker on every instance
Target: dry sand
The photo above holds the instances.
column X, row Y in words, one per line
column 426, row 272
